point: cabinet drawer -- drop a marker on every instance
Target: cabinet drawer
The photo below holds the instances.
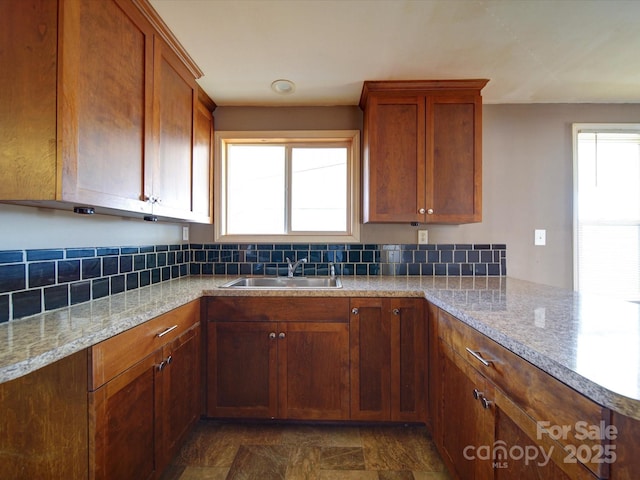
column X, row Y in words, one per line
column 281, row 309
column 541, row 396
column 114, row 355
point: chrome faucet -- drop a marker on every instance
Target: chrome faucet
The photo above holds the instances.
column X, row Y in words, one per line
column 291, row 267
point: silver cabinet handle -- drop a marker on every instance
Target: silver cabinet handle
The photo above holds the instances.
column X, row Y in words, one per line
column 281, row 335
column 477, row 394
column 162, row 334
column 354, row 311
column 422, row 211
column 272, row 335
column 161, row 365
column 486, row 404
column 477, row 356
column 169, row 360
column 396, row 311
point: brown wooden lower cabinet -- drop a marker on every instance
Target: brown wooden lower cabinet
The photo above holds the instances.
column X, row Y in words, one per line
column 293, row 358
column 43, row 422
column 490, row 427
column 388, row 342
column 140, row 414
column 281, row 357
column 123, row 423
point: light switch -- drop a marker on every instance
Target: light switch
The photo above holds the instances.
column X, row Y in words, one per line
column 423, row 237
column 540, row 237
column 185, row 234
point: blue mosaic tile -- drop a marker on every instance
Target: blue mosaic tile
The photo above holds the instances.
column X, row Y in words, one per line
column 56, row 297
column 26, row 303
column 12, row 278
column 81, row 252
column 44, row 254
column 42, row 274
column 11, row 256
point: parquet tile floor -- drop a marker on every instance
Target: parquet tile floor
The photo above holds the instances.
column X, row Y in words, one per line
column 240, row 451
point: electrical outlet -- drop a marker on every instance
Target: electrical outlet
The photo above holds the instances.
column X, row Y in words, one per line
column 185, row 234
column 540, row 237
column 423, row 237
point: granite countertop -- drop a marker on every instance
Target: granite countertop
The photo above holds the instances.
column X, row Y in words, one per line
column 591, row 343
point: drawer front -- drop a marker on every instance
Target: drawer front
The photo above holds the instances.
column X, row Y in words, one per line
column 561, row 411
column 114, row 355
column 281, row 309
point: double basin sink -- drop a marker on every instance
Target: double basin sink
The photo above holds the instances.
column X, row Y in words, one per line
column 284, row 283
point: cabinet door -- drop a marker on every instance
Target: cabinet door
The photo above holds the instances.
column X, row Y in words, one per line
column 174, row 103
column 394, row 159
column 123, row 423
column 454, row 159
column 408, row 360
column 313, row 370
column 28, row 79
column 202, row 193
column 242, row 369
column 465, row 423
column 370, row 349
column 181, row 390
column 105, row 102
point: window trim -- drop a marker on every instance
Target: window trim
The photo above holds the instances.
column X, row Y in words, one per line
column 222, row 138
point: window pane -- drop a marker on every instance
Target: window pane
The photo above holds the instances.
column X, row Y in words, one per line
column 609, row 178
column 319, row 189
column 255, row 189
column 608, row 213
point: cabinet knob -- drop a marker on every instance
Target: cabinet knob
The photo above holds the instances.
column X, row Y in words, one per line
column 430, row 211
column 169, row 360
column 422, row 211
column 162, row 365
column 354, row 311
column 486, row 404
column 281, row 335
column 272, row 335
column 477, row 394
column 396, row 311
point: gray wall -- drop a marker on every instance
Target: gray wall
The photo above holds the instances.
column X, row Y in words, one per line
column 527, row 184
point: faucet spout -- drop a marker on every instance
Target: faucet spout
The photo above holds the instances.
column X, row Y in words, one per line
column 291, row 267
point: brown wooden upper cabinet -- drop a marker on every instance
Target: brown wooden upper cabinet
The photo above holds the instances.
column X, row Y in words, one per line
column 99, row 109
column 422, row 151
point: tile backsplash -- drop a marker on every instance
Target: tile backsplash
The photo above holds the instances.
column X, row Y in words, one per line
column 34, row 281
column 350, row 259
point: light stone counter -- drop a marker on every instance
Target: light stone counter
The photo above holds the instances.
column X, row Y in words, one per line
column 590, row 343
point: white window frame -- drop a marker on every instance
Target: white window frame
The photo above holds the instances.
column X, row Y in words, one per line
column 588, row 127
column 321, row 137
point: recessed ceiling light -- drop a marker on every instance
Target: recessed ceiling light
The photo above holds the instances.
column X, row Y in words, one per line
column 283, row 87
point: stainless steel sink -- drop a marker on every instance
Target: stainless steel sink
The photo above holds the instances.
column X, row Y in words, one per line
column 284, row 282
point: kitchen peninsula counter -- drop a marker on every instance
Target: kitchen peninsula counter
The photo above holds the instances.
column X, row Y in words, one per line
column 589, row 342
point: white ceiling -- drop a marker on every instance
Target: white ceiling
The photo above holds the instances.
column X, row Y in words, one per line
column 533, row 51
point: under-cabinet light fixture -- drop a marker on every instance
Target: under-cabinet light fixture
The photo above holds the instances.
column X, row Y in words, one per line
column 84, row 210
